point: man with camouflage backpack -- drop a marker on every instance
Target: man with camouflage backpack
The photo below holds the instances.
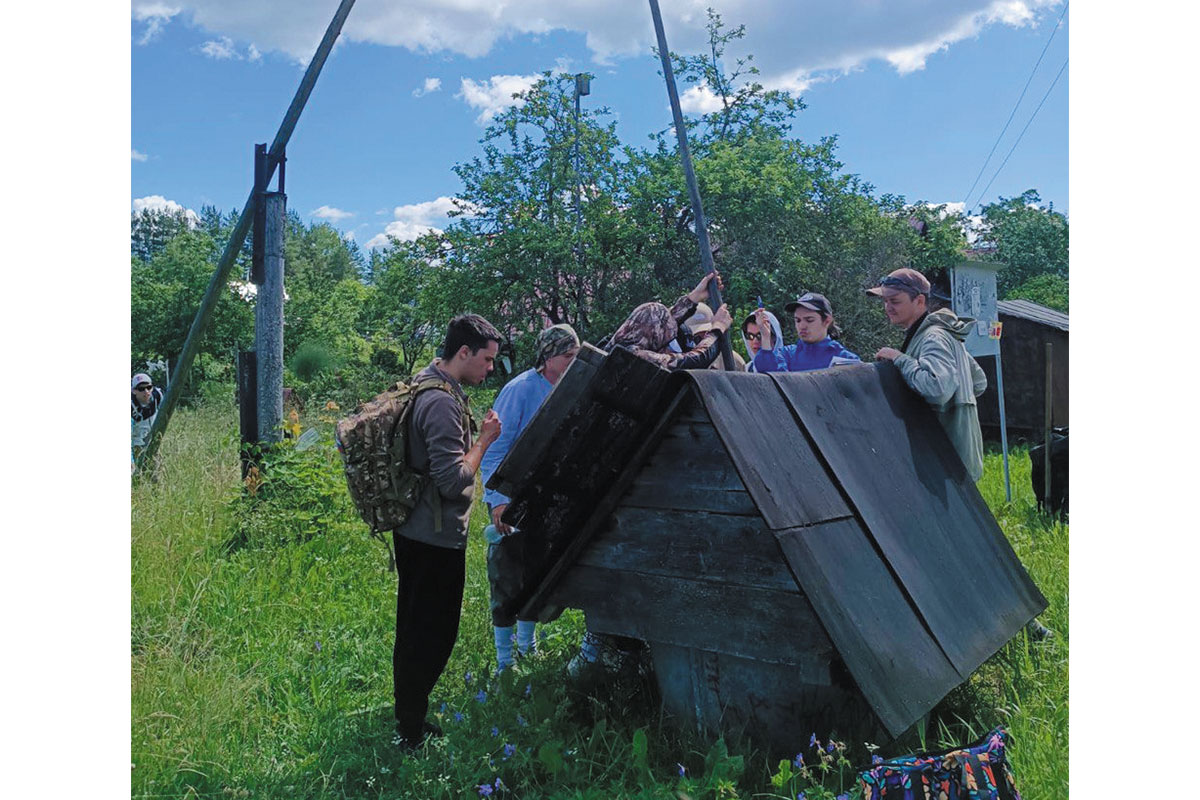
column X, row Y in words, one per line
column 431, row 544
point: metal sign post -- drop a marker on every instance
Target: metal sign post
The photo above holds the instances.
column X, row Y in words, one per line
column 973, row 294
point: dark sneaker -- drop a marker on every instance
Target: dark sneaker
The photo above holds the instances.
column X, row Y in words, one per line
column 1037, row 631
column 431, row 730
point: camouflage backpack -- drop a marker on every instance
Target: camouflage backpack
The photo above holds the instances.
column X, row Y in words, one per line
column 374, row 446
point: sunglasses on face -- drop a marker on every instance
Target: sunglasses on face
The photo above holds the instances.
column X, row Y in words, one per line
column 754, row 337
column 143, row 388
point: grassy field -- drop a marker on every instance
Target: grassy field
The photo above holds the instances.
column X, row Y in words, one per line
column 261, row 661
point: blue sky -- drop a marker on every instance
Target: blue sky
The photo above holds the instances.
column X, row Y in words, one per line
column 916, row 91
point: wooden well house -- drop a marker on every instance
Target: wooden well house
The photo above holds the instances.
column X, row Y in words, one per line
column 802, row 552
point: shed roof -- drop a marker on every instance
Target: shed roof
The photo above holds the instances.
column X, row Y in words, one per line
column 1024, row 309
column 872, row 509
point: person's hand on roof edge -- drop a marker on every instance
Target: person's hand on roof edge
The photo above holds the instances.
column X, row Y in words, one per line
column 887, row 354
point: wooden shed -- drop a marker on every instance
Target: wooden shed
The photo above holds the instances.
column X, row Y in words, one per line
column 802, row 551
column 1027, row 328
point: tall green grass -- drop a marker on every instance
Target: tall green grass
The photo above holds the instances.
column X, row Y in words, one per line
column 261, row 659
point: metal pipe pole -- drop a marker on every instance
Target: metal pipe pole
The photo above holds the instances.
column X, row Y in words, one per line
column 217, row 284
column 706, row 259
column 1003, row 426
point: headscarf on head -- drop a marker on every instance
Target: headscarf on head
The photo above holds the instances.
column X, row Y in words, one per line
column 649, row 331
column 650, row 327
column 554, row 341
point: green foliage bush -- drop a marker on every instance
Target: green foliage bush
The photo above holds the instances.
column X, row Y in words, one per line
column 293, row 496
column 310, row 360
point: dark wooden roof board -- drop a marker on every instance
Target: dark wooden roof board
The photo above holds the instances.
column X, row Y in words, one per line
column 896, row 662
column 927, row 518
column 756, row 426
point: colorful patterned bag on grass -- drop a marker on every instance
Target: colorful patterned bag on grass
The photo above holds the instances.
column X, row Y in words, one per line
column 977, row 772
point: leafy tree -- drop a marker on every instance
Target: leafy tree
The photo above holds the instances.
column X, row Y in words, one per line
column 515, row 252
column 1029, row 240
column 747, row 107
column 1051, row 291
column 151, row 229
column 166, row 293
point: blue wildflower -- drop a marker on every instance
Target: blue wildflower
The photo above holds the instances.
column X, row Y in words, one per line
column 499, row 783
column 495, row 731
column 829, row 748
column 481, row 697
column 521, row 721
column 509, row 749
column 442, row 708
column 458, row 717
column 467, row 678
column 485, row 789
column 843, row 796
column 682, row 769
column 528, row 689
column 812, row 741
column 798, row 761
column 800, row 796
column 317, row 645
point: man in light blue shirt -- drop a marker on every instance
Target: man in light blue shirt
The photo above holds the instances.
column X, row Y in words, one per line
column 516, row 404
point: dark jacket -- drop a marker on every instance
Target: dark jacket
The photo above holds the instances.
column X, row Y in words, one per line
column 440, row 436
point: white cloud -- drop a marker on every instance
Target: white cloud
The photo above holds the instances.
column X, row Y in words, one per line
column 252, row 53
column 492, row 96
column 431, row 85
column 219, row 49
column 136, row 156
column 332, row 214
column 699, row 100
column 794, row 41
column 417, row 219
column 156, row 202
column 156, row 16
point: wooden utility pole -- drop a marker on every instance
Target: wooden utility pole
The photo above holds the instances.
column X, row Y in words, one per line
column 268, row 321
column 216, row 286
column 706, row 259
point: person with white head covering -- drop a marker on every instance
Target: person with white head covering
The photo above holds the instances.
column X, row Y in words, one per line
column 752, row 337
column 144, row 401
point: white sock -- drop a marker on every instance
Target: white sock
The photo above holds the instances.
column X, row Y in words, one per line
column 525, row 629
column 504, row 646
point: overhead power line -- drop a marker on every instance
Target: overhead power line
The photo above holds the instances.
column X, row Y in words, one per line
column 1016, row 105
column 1027, row 124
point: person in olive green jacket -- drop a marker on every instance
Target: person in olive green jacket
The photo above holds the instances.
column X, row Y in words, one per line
column 934, row 362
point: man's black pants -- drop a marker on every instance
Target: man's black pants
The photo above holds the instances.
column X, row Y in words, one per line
column 428, row 607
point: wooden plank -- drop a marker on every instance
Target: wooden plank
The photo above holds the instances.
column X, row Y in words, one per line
column 927, row 518
column 697, row 496
column 730, row 695
column 896, row 663
column 735, row 550
column 560, row 556
column 757, row 427
column 763, row 624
